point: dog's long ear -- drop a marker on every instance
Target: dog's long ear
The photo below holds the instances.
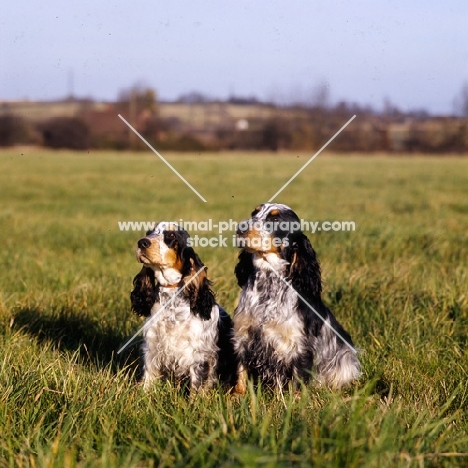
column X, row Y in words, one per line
column 304, row 269
column 145, row 292
column 244, row 268
column 198, row 289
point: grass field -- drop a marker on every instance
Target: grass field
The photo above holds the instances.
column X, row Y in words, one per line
column 398, row 284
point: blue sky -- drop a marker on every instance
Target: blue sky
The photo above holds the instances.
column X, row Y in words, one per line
column 413, row 53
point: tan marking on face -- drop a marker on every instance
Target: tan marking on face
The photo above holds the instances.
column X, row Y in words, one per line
column 274, row 212
column 257, row 241
column 158, row 253
column 171, row 259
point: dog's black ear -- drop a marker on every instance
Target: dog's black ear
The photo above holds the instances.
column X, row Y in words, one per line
column 190, row 261
column 304, row 267
column 244, row 268
column 145, row 292
column 198, row 289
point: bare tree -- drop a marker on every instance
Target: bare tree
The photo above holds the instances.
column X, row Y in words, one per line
column 320, row 96
column 460, row 103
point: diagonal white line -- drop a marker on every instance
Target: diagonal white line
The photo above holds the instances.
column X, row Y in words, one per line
column 160, row 310
column 312, row 158
column 162, row 159
column 315, row 312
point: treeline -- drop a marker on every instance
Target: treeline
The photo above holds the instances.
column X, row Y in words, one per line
column 58, row 132
column 195, row 124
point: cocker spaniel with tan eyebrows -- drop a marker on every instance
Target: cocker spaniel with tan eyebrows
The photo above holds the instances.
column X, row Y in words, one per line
column 188, row 336
column 282, row 330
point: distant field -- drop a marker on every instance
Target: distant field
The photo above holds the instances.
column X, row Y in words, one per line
column 398, row 284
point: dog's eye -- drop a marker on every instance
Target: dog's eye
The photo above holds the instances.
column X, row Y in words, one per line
column 171, row 235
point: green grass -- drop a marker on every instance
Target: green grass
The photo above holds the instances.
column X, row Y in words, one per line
column 398, row 284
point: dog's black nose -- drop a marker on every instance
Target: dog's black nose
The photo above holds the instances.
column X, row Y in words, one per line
column 144, row 243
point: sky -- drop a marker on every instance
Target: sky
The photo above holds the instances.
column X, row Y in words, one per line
column 411, row 53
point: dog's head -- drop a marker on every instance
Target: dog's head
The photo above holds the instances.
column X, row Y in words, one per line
column 164, row 249
column 268, row 230
column 170, row 262
column 272, row 238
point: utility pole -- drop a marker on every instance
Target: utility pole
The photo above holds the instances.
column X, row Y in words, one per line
column 132, row 112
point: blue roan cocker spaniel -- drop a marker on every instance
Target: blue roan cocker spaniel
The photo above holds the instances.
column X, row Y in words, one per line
column 188, row 336
column 282, row 329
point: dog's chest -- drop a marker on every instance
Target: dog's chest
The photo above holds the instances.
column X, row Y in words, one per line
column 176, row 340
column 173, row 329
column 267, row 311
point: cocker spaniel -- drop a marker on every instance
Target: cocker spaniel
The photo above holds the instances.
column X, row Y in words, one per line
column 187, row 336
column 282, row 330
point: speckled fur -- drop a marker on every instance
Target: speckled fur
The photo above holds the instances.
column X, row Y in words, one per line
column 268, row 333
column 277, row 337
column 187, row 336
column 180, row 345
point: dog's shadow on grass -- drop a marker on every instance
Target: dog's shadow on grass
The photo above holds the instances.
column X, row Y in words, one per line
column 96, row 341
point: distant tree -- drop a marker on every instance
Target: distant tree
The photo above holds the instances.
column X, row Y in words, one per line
column 66, row 132
column 275, row 135
column 243, row 100
column 320, row 96
column 194, row 97
column 461, row 101
column 13, row 130
column 271, row 135
column 419, row 114
column 138, row 104
column 139, row 96
column 391, row 110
